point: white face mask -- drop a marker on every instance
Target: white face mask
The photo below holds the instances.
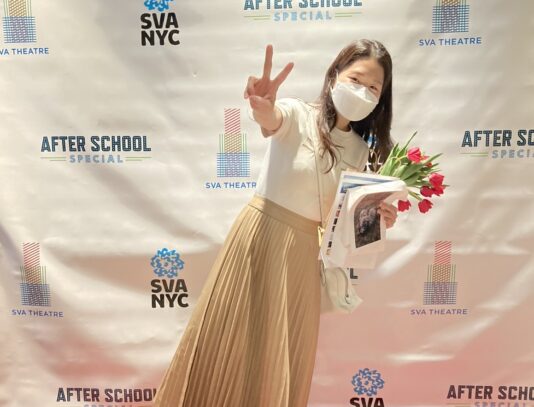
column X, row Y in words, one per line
column 353, row 101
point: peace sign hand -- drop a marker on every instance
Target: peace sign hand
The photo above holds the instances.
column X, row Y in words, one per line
column 261, row 92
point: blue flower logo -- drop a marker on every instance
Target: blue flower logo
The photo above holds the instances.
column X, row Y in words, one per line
column 160, row 5
column 167, row 263
column 367, row 382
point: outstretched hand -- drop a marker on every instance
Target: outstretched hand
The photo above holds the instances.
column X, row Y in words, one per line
column 261, row 92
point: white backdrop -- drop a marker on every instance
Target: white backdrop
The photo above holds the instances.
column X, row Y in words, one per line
column 82, row 242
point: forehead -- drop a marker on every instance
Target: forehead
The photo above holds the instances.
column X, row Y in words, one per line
column 368, row 68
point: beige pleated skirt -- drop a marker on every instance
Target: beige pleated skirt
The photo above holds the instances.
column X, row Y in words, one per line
column 252, row 337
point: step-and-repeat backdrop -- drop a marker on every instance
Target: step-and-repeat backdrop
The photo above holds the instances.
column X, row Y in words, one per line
column 126, row 151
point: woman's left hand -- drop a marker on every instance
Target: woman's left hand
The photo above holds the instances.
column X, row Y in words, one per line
column 388, row 212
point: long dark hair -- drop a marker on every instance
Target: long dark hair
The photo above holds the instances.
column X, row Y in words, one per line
column 375, row 128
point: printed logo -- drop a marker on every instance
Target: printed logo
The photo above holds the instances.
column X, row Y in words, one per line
column 450, row 17
column 233, row 158
column 160, row 5
column 367, row 383
column 166, row 263
column 19, row 27
column 34, row 290
column 465, row 395
column 95, row 149
column 167, row 290
column 19, row 24
column 498, row 144
column 161, row 26
column 300, row 10
column 440, row 287
column 109, row 395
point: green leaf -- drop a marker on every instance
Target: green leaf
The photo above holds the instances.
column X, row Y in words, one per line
column 388, row 166
column 412, row 179
column 434, row 157
column 394, row 150
column 400, row 171
column 405, row 148
column 413, row 168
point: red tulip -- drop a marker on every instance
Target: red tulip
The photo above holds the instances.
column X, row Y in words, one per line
column 424, row 205
column 427, row 191
column 403, row 205
column 438, row 190
column 436, row 179
column 414, row 154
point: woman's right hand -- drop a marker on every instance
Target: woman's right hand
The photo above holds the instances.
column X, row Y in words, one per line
column 261, row 93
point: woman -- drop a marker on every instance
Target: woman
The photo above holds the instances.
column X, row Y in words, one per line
column 252, row 337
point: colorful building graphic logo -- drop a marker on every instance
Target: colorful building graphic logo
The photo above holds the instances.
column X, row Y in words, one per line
column 233, row 160
column 450, row 16
column 33, row 288
column 441, row 287
column 19, row 24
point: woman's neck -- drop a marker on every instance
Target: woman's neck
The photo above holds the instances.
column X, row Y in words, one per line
column 342, row 123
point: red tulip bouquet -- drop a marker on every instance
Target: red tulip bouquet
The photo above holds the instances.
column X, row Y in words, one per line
column 418, row 171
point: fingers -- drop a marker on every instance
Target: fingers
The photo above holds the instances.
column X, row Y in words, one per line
column 264, row 86
column 268, row 64
column 281, row 77
column 254, row 102
column 387, row 207
column 389, row 212
column 390, row 221
column 249, row 90
column 259, row 104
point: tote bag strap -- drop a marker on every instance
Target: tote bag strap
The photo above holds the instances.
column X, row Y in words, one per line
column 319, row 186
